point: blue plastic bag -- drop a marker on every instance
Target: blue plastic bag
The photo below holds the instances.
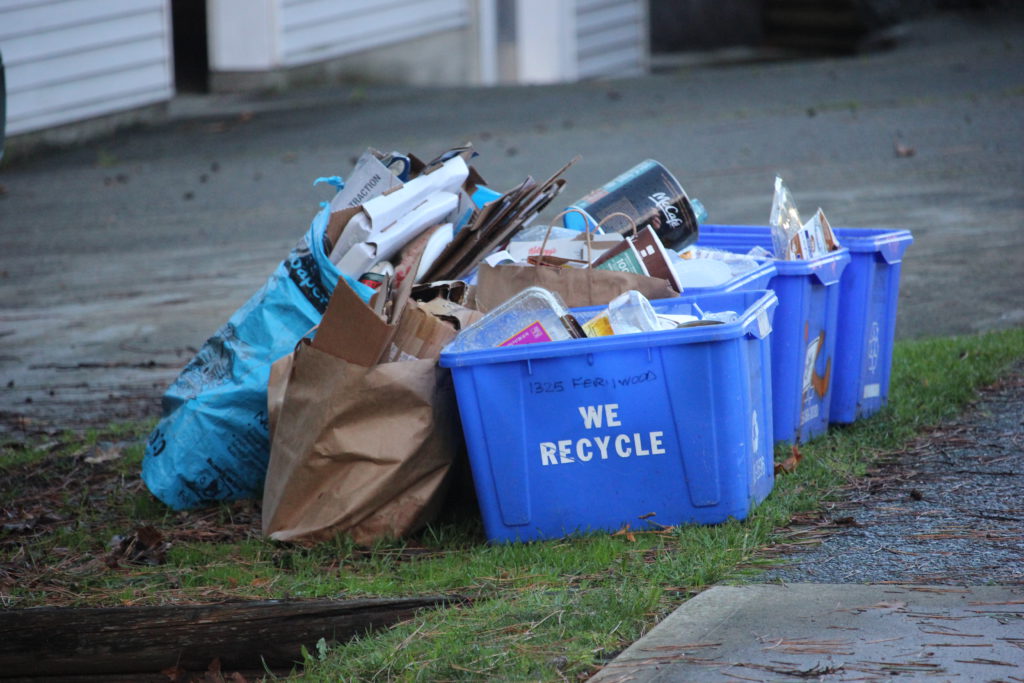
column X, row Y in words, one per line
column 212, row 443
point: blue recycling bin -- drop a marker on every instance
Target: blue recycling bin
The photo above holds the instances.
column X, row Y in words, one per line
column 806, row 331
column 656, row 428
column 868, row 302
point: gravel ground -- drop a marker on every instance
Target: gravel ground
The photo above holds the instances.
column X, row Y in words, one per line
column 949, row 509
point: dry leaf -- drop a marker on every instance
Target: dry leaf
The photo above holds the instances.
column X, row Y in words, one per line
column 902, row 150
column 104, row 452
column 790, row 463
column 175, row 674
column 145, row 546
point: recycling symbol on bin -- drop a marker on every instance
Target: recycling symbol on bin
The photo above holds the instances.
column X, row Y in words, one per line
column 873, row 347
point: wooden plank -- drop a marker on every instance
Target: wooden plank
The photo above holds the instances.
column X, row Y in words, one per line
column 56, row 641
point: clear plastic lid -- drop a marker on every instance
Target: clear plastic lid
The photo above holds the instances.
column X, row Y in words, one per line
column 531, row 316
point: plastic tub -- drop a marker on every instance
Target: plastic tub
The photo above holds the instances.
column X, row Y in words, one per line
column 868, row 298
column 806, row 331
column 758, row 278
column 657, row 428
column 866, row 326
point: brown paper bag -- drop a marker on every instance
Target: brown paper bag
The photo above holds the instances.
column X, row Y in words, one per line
column 358, row 450
column 358, row 446
column 576, row 286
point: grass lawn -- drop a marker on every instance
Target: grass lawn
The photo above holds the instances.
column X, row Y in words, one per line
column 79, row 528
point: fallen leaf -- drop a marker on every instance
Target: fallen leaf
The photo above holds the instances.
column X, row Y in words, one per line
column 145, row 546
column 213, row 673
column 790, row 463
column 175, row 674
column 902, row 150
column 105, row 452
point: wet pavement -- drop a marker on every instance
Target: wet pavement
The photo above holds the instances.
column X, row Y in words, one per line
column 829, row 632
column 119, row 257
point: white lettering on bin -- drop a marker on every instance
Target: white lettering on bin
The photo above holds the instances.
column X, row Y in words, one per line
column 606, row 415
column 594, row 416
column 760, row 469
column 583, row 452
column 755, row 435
column 547, row 453
column 874, row 347
column 563, row 451
column 625, row 445
column 872, row 390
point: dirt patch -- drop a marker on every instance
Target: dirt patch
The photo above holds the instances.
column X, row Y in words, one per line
column 76, row 521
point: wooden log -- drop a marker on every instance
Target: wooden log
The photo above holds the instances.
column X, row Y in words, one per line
column 245, row 635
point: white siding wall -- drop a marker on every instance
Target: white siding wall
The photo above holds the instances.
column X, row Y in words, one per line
column 611, row 38
column 315, row 30
column 69, row 60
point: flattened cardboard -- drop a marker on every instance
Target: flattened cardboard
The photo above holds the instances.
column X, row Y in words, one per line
column 492, row 225
column 574, row 249
column 427, row 328
column 656, row 259
column 350, row 330
column 367, row 179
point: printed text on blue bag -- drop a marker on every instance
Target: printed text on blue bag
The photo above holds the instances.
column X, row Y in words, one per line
column 601, row 447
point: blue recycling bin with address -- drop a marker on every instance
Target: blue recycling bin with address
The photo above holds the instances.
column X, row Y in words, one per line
column 656, row 428
column 866, row 326
column 805, row 331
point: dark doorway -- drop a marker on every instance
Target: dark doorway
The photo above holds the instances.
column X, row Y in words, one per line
column 191, row 59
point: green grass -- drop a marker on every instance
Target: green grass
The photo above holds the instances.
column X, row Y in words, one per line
column 552, row 610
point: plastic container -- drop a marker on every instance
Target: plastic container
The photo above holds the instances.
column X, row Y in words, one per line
column 868, row 298
column 806, row 331
column 866, row 326
column 532, row 316
column 758, row 278
column 595, row 434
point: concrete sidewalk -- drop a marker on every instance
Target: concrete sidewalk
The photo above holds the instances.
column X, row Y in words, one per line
column 833, row 633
